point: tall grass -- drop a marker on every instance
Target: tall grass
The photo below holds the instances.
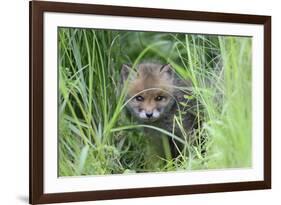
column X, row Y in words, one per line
column 96, row 136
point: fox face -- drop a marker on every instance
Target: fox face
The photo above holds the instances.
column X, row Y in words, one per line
column 150, row 90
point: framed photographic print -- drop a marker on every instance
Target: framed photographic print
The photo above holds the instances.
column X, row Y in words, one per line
column 136, row 102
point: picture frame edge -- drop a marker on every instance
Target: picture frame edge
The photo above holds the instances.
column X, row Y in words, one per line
column 35, row 102
column 267, row 101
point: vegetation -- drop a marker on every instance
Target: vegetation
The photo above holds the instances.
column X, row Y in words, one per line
column 97, row 137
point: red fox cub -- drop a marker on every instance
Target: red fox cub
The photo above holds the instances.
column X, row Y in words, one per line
column 153, row 90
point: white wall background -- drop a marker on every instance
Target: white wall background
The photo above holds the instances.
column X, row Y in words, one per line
column 14, row 101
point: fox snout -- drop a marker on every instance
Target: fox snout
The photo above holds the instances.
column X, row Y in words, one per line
column 149, row 114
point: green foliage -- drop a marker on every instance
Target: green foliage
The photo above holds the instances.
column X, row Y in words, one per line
column 97, row 137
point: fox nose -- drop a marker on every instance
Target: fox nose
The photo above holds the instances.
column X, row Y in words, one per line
column 149, row 114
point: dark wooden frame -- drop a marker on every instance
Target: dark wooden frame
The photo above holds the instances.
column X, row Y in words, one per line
column 37, row 8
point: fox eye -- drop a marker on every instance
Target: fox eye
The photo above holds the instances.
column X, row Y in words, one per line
column 139, row 98
column 159, row 98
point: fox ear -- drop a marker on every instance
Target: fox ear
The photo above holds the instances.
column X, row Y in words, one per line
column 125, row 71
column 166, row 71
